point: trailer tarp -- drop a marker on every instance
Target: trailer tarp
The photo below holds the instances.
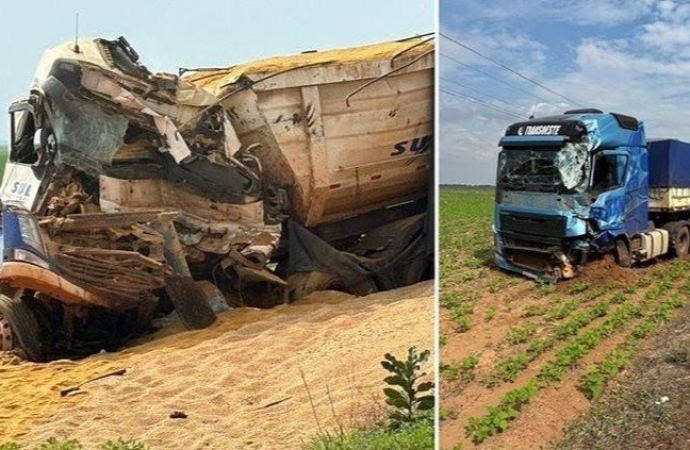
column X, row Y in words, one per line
column 669, row 163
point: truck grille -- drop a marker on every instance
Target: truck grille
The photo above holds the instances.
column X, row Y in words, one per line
column 553, row 226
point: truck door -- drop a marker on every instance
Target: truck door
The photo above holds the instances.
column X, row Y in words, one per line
column 616, row 192
column 25, row 167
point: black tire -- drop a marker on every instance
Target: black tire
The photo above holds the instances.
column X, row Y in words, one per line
column 681, row 243
column 416, row 270
column 24, row 326
column 623, row 256
column 301, row 284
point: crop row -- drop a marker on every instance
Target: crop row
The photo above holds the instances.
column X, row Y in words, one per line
column 592, row 384
column 497, row 418
column 509, row 369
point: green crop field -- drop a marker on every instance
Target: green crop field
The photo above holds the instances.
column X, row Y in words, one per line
column 520, row 360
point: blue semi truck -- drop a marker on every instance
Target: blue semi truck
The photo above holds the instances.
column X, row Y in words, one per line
column 573, row 187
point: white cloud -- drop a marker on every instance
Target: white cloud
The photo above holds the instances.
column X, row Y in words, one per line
column 670, row 38
column 606, row 13
column 643, row 70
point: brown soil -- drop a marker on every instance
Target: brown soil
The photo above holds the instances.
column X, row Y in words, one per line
column 256, row 379
column 605, row 270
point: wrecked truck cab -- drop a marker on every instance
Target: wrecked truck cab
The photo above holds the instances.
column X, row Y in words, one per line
column 261, row 179
column 570, row 187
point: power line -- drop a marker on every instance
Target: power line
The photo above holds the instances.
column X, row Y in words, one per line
column 480, row 102
column 486, row 74
column 474, row 90
column 510, row 70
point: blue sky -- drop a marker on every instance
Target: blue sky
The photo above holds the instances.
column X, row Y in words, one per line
column 627, row 56
column 173, row 33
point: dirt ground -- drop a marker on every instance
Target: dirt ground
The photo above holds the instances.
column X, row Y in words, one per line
column 648, row 407
column 555, row 407
column 255, row 379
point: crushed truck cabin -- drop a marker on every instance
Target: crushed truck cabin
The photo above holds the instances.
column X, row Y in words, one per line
column 126, row 191
column 573, row 187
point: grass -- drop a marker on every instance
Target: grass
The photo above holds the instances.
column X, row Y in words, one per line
column 416, row 436
column 409, row 410
column 71, row 444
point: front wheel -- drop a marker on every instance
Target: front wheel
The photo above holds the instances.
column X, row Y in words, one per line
column 681, row 243
column 20, row 328
column 623, row 256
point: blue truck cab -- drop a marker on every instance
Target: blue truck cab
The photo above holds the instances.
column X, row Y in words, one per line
column 573, row 186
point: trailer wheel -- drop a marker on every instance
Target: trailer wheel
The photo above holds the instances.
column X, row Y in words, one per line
column 23, row 327
column 301, row 284
column 681, row 243
column 623, row 256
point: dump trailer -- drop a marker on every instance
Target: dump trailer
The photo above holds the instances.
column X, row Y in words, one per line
column 128, row 194
column 571, row 188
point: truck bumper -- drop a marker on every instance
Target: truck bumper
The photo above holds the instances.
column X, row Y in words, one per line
column 540, row 260
column 28, row 276
column 528, row 272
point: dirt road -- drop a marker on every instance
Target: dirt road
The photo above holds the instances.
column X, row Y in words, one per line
column 244, row 383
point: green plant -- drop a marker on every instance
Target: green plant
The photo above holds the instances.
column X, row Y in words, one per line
column 534, row 310
column 121, row 444
column 493, row 422
column 543, row 289
column 593, row 382
column 463, row 322
column 579, row 287
column 618, row 298
column 71, row 444
column 497, row 418
column 490, row 313
column 60, row 444
column 467, row 366
column 464, row 369
column 406, row 396
column 10, row 446
column 415, row 436
column 508, row 369
column 520, row 334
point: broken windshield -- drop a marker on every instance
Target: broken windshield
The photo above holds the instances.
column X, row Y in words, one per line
column 546, row 169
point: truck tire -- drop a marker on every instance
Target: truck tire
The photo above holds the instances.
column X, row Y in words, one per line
column 623, row 256
column 681, row 243
column 301, row 284
column 415, row 271
column 24, row 327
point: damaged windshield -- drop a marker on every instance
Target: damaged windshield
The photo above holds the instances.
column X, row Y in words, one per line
column 544, row 169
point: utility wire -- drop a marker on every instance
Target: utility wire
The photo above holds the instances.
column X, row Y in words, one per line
column 480, row 102
column 488, row 75
column 477, row 91
column 510, row 70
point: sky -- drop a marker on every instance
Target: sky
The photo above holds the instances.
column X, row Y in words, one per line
column 625, row 56
column 172, row 33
